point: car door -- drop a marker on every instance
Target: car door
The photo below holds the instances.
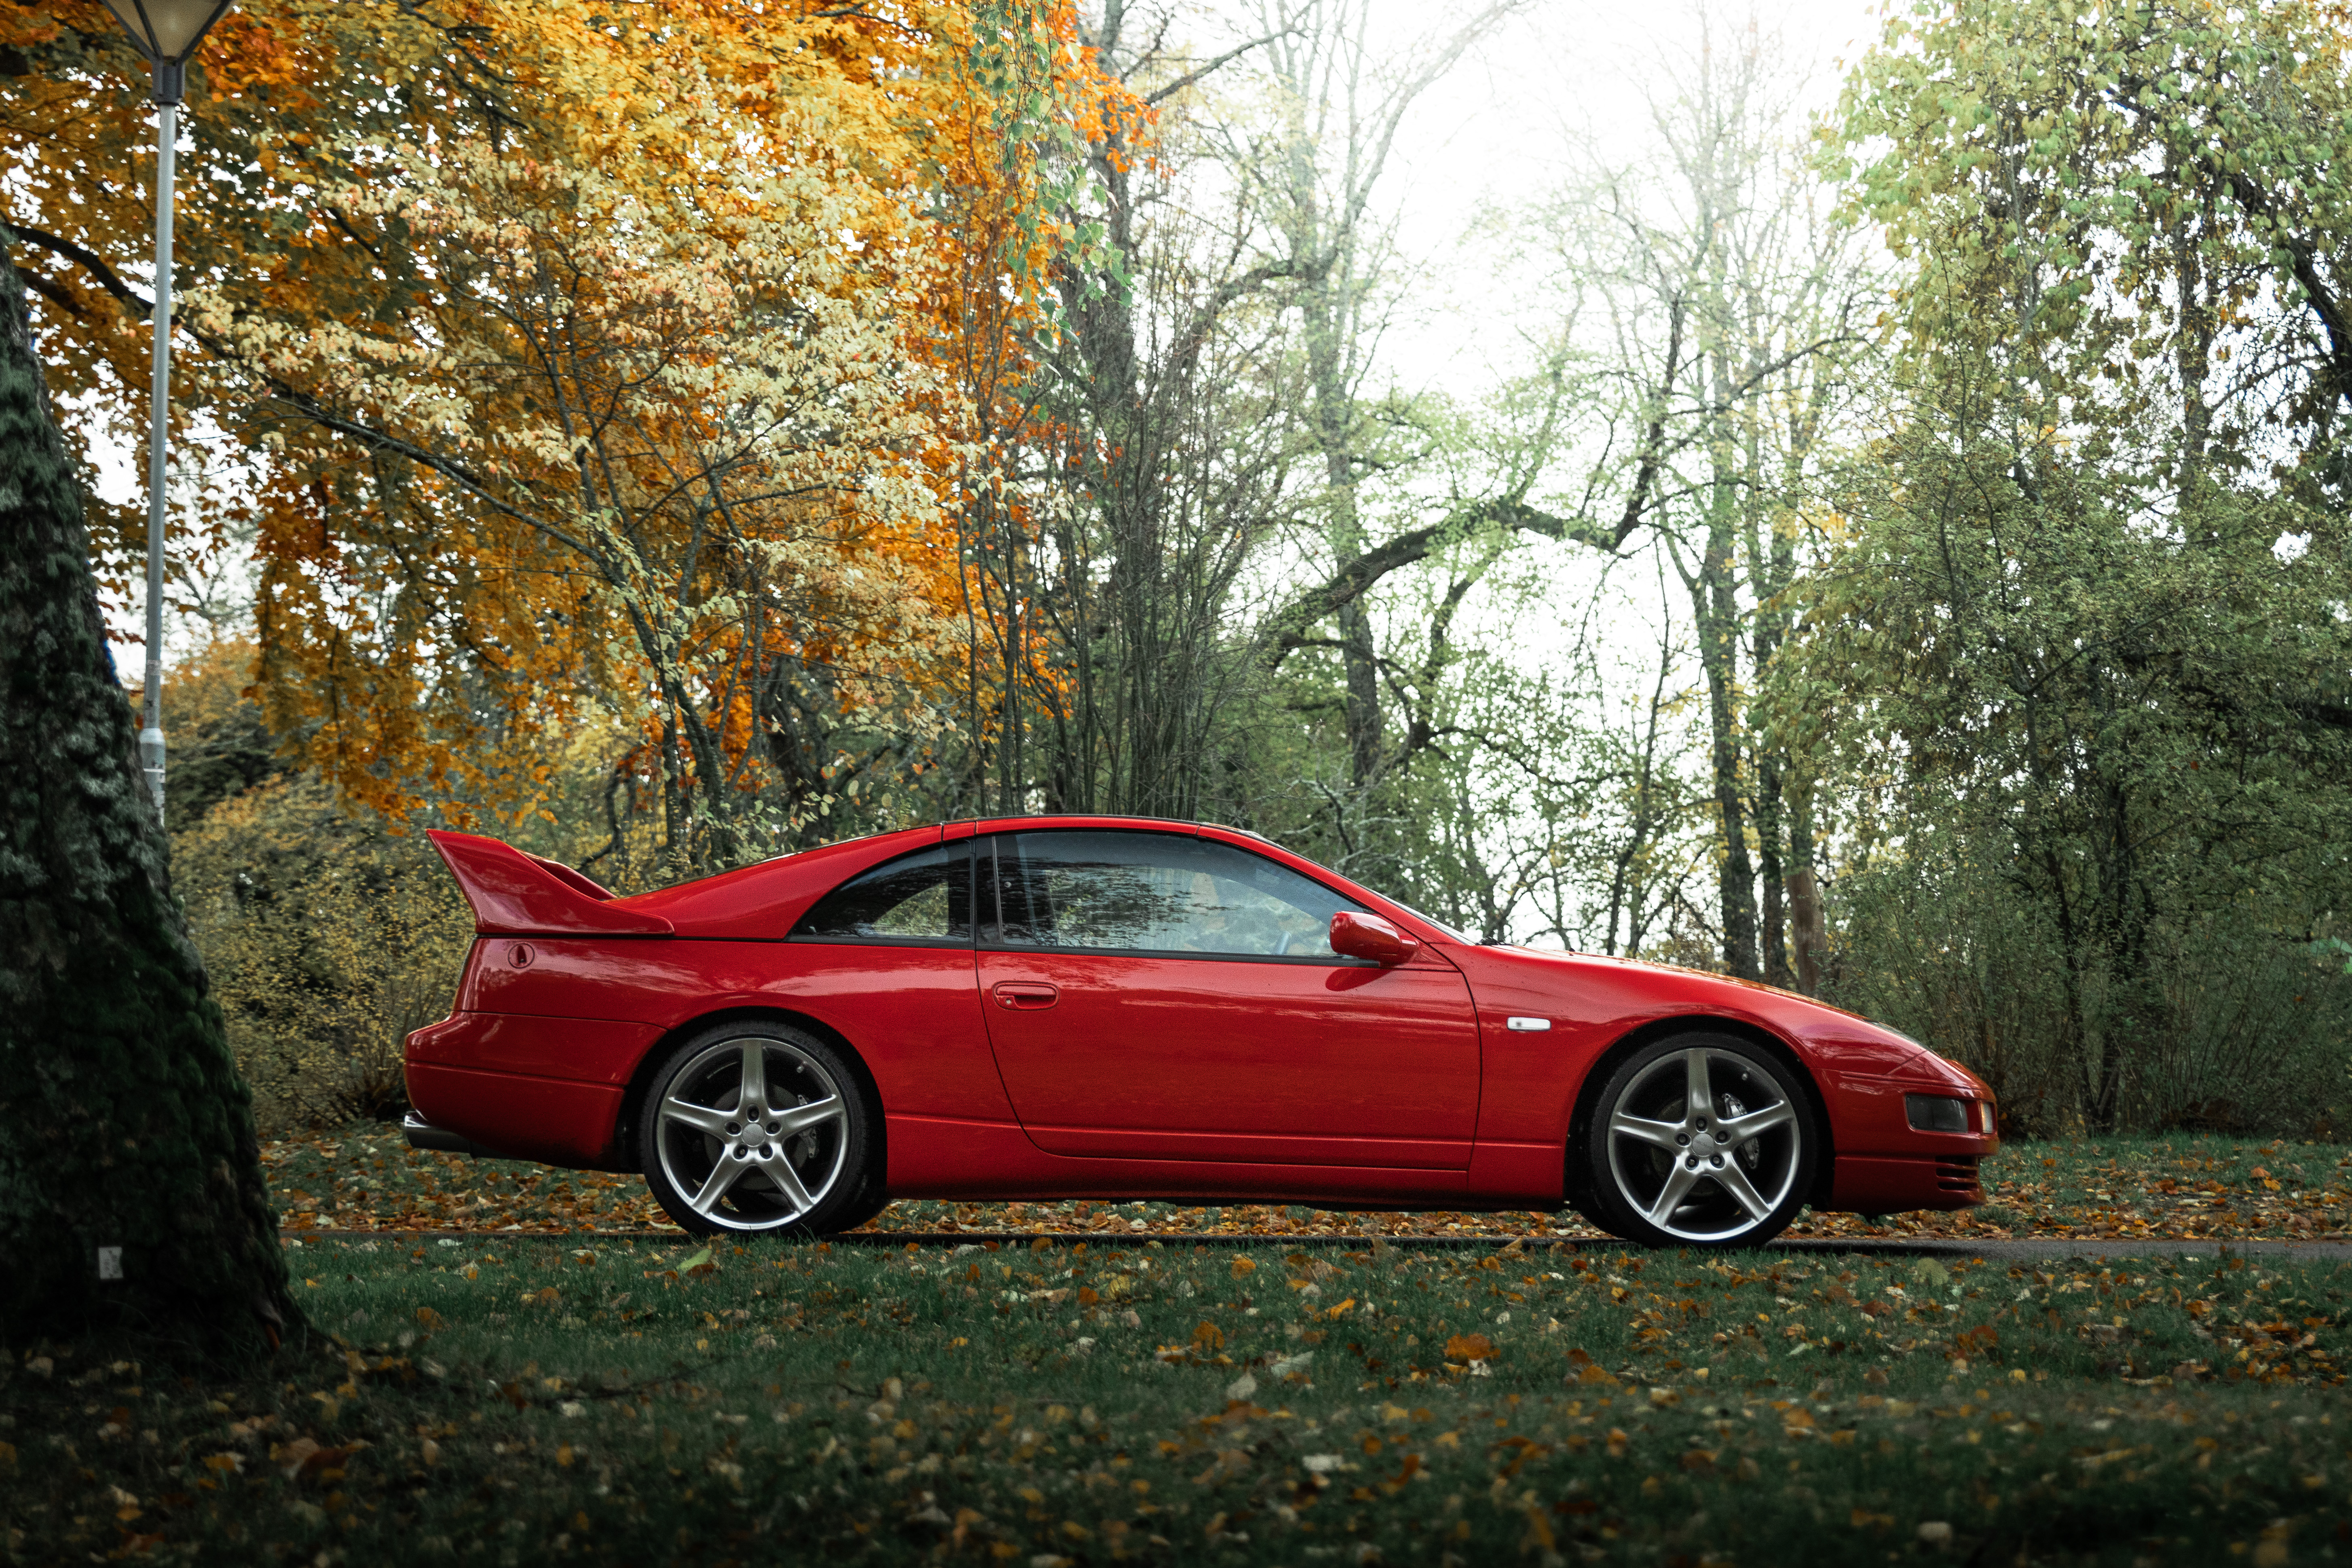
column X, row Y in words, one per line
column 1161, row 995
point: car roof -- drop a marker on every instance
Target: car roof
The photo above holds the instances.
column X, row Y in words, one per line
column 960, row 827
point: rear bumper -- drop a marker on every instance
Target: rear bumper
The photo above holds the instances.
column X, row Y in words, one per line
column 525, row 1087
column 513, row 1117
column 590, row 1050
column 423, row 1134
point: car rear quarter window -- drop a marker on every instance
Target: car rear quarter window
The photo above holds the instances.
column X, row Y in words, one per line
column 922, row 899
column 1156, row 892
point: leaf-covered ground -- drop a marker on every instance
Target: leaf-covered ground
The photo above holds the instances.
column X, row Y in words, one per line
column 507, row 1400
column 2223, row 1188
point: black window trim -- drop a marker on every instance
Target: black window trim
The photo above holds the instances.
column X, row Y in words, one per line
column 984, row 929
column 948, row 944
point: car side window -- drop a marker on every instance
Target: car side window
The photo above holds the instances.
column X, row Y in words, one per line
column 923, row 899
column 1156, row 892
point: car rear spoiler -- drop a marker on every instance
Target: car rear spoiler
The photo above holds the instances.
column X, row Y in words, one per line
column 515, row 894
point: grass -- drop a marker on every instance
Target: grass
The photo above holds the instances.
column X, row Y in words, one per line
column 507, row 1400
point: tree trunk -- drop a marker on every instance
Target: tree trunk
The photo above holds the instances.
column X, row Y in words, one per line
column 1811, row 938
column 1715, row 612
column 132, row 1200
column 1771, row 869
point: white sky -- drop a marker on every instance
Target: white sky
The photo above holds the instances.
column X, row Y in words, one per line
column 1506, row 124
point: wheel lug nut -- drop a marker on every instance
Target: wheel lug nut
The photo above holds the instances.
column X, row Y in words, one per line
column 1682, row 1137
column 1718, row 1159
column 1692, row 1161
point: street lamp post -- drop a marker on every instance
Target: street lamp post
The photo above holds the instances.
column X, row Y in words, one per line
column 167, row 32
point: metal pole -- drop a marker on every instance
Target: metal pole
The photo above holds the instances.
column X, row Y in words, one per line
column 159, row 415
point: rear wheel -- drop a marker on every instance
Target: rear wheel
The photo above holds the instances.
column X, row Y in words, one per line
column 1700, row 1140
column 758, row 1126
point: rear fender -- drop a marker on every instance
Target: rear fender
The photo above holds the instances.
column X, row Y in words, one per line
column 633, row 1100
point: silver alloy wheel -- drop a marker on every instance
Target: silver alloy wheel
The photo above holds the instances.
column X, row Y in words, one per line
column 752, row 1133
column 1688, row 1154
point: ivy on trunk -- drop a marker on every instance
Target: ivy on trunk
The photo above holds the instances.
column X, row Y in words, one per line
column 123, row 1124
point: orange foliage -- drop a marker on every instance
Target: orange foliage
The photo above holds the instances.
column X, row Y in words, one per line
column 640, row 357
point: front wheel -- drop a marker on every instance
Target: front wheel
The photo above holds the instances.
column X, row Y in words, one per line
column 755, row 1128
column 1700, row 1140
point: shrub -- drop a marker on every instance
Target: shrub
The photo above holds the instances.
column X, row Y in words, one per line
column 2253, row 1024
column 328, row 937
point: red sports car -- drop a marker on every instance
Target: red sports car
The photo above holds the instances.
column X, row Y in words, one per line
column 1040, row 1008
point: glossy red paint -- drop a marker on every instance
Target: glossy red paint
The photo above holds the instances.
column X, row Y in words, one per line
column 1369, row 936
column 521, row 1115
column 512, row 891
column 1456, row 1078
column 1223, row 1059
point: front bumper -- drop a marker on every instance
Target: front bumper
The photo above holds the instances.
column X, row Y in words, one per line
column 1864, row 1184
column 1885, row 1165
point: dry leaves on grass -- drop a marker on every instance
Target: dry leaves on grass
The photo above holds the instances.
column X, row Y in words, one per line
column 369, row 1179
column 2200, row 1186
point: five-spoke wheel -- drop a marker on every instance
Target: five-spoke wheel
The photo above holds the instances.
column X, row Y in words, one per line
column 756, row 1127
column 1699, row 1140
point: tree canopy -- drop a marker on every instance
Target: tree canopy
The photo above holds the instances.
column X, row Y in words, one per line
column 1897, row 553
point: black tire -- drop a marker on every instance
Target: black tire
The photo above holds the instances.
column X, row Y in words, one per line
column 1654, row 1171
column 1593, row 1214
column 801, row 1167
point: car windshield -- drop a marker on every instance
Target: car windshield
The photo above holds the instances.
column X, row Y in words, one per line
column 1442, row 929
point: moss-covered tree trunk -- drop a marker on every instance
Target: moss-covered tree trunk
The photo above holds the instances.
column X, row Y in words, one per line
column 123, row 1124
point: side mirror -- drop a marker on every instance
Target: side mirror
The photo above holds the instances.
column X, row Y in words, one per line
column 1357, row 935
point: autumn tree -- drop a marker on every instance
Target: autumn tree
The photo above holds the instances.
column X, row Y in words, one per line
column 1696, row 317
column 1340, row 101
column 132, row 1199
column 1155, row 450
column 1726, row 313
column 685, row 448
column 676, row 421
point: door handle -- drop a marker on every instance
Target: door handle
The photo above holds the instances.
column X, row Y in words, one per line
column 1025, row 994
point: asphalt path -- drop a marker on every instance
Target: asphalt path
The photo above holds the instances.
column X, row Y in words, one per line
column 2016, row 1249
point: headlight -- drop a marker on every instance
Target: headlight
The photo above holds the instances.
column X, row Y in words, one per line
column 1936, row 1113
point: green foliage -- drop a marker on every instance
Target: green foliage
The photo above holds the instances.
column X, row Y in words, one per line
column 2247, row 1031
column 2104, row 745
column 2083, row 640
column 2143, row 193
